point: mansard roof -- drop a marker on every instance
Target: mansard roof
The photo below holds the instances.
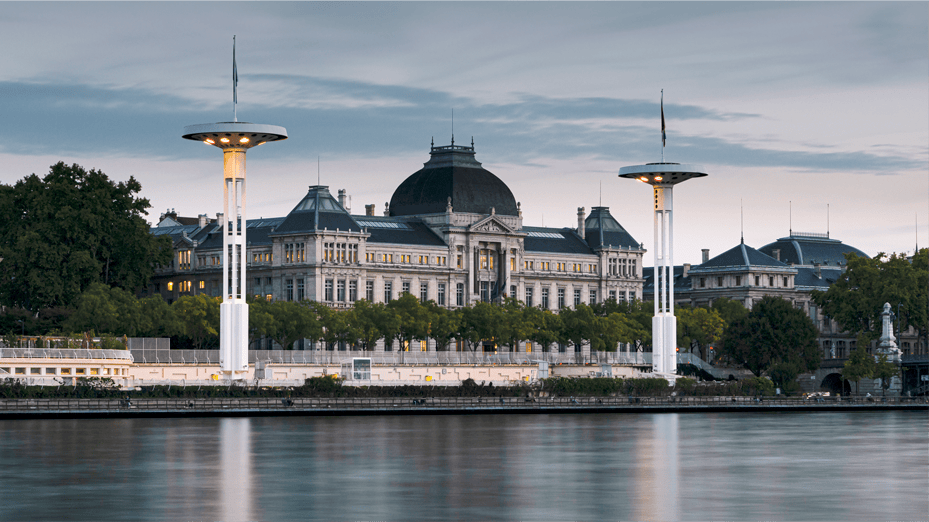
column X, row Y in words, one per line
column 810, row 249
column 742, row 257
column 554, row 240
column 318, row 210
column 390, row 230
column 601, row 230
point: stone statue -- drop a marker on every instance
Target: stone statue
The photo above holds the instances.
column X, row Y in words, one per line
column 888, row 343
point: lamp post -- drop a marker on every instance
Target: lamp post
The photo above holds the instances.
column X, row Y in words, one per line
column 662, row 177
column 234, row 138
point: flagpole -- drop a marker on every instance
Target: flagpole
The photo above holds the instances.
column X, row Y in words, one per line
column 235, row 83
column 663, row 137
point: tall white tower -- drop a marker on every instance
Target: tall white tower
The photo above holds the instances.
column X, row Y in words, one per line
column 234, row 138
column 662, row 177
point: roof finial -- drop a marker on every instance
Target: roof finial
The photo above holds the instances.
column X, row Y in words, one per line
column 432, row 142
column 472, row 142
column 453, row 126
column 742, row 220
column 827, row 220
column 791, row 217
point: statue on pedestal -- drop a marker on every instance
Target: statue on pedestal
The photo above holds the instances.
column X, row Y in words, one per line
column 888, row 343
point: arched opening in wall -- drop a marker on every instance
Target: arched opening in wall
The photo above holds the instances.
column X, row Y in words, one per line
column 834, row 383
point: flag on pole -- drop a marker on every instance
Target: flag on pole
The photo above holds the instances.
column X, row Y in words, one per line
column 235, row 76
column 664, row 137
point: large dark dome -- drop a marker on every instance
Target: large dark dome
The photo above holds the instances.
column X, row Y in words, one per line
column 810, row 249
column 452, row 172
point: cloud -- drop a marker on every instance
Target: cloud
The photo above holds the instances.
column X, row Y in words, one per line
column 348, row 118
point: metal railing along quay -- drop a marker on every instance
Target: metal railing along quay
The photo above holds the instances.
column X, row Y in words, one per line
column 311, row 406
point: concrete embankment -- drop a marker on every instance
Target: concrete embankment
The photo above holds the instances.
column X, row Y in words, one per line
column 299, row 406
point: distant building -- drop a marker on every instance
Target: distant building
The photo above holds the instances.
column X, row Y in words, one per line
column 452, row 233
column 790, row 268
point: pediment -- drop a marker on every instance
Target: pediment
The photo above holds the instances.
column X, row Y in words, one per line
column 490, row 225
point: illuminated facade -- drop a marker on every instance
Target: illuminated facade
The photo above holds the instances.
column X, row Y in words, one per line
column 452, row 233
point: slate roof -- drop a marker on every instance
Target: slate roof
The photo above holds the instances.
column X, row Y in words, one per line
column 798, row 249
column 452, row 172
column 318, row 210
column 554, row 240
column 681, row 284
column 602, row 230
column 806, row 277
column 405, row 233
column 742, row 256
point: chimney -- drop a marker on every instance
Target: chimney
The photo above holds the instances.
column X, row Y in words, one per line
column 686, row 270
column 706, row 254
column 777, row 253
column 369, row 210
column 386, row 209
column 581, row 216
column 219, row 218
column 819, row 270
column 342, row 199
column 202, row 220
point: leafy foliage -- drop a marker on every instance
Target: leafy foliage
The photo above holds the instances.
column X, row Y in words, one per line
column 70, row 229
column 774, row 337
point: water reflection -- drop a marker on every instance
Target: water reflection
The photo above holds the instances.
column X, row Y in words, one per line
column 235, row 474
column 792, row 466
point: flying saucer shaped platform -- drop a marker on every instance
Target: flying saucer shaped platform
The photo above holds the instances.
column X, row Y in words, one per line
column 662, row 173
column 234, row 134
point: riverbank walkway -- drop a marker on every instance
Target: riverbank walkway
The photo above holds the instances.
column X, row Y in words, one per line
column 301, row 406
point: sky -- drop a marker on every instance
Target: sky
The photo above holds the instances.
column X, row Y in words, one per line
column 807, row 116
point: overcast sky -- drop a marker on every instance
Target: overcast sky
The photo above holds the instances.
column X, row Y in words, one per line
column 786, row 104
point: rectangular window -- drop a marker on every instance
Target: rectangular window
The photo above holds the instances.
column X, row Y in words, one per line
column 340, row 290
column 459, row 294
column 560, row 298
column 422, row 346
column 738, row 280
column 424, row 292
column 328, row 290
column 485, row 291
column 170, row 286
column 771, row 281
column 300, row 290
column 528, row 347
column 545, row 298
column 593, row 297
column 369, row 291
column 80, row 371
column 785, row 282
column 719, row 281
column 622, row 296
column 405, row 287
column 51, row 371
column 353, row 291
column 757, row 281
column 289, row 296
column 440, row 294
column 388, row 291
column 702, row 282
column 66, row 371
column 613, row 295
column 577, row 296
column 460, row 262
column 513, row 264
column 529, row 296
column 483, row 259
column 512, row 291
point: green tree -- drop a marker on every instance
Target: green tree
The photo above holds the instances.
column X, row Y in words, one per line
column 860, row 365
column 544, row 326
column 413, row 319
column 260, row 320
column 294, row 321
column 513, row 327
column 856, row 300
column 481, row 323
column 371, row 320
column 106, row 310
column 198, row 317
column 698, row 328
column 158, row 318
column 70, row 229
column 773, row 334
column 444, row 325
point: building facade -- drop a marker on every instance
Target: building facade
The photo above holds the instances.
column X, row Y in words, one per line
column 452, row 233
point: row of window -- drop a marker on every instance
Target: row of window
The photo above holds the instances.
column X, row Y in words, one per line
column 63, row 371
column 738, row 281
column 295, row 252
column 621, row 267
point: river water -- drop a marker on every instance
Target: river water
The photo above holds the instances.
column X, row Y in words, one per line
column 768, row 466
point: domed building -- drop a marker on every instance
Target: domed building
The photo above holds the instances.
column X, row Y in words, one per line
column 452, row 233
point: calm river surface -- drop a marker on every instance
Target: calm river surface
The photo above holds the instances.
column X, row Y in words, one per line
column 769, row 466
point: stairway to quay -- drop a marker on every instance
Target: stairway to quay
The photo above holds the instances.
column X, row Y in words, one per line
column 299, row 406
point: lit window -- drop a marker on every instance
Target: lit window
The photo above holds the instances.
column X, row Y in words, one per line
column 170, row 286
